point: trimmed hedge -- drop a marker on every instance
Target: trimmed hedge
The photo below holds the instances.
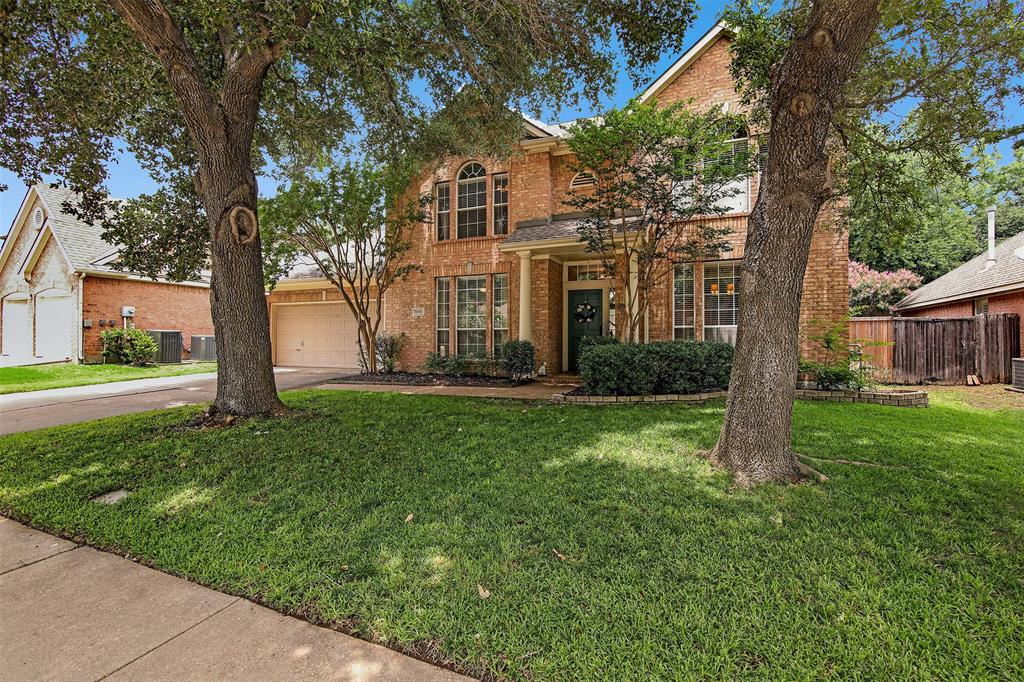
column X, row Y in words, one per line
column 662, row 367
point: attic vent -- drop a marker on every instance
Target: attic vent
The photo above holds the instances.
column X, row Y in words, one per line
column 37, row 217
column 582, row 179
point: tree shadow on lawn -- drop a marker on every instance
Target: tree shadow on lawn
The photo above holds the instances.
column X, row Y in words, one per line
column 605, row 546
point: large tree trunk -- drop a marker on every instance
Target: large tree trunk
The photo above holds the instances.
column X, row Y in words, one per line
column 245, row 372
column 756, row 441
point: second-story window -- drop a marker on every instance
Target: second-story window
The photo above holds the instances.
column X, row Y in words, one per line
column 443, row 212
column 500, row 201
column 472, row 207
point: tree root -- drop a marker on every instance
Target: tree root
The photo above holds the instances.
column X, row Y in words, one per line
column 216, row 419
column 809, row 472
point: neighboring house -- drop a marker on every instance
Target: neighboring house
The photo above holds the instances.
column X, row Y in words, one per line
column 990, row 283
column 310, row 323
column 59, row 289
column 502, row 258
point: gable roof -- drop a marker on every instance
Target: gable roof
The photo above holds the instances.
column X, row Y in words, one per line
column 684, row 62
column 973, row 279
column 81, row 244
column 536, row 130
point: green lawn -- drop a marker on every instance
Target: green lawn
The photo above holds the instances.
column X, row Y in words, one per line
column 608, row 550
column 40, row 377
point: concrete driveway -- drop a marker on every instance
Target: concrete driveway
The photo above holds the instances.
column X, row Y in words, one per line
column 39, row 409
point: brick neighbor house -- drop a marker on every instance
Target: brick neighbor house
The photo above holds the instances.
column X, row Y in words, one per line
column 502, row 258
column 992, row 282
column 59, row 289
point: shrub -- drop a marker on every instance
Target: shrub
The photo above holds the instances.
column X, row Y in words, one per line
column 591, row 341
column 655, row 368
column 453, row 365
column 517, row 358
column 129, row 346
column 389, row 347
column 875, row 293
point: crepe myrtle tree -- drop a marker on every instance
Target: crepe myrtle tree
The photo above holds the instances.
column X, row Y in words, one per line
column 654, row 168
column 832, row 78
column 351, row 221
column 207, row 93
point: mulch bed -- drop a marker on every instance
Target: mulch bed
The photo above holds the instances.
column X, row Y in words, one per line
column 419, row 379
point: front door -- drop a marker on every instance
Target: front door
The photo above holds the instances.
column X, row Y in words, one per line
column 586, row 318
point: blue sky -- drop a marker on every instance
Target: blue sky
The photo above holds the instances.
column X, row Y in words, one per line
column 127, row 180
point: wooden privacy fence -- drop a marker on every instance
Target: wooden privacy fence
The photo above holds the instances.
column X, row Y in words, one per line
column 946, row 350
column 874, row 336
column 918, row 350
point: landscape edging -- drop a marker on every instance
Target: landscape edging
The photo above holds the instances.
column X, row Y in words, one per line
column 908, row 398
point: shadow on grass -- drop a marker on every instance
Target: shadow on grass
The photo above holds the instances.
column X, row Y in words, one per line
column 604, row 546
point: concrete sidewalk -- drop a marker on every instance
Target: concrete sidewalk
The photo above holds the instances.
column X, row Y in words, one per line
column 39, row 409
column 69, row 612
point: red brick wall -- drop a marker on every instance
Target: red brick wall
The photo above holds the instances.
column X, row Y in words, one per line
column 157, row 306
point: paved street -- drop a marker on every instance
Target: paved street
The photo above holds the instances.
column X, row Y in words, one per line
column 39, row 409
column 74, row 613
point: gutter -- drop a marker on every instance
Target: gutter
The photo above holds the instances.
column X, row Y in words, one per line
column 960, row 297
column 81, row 316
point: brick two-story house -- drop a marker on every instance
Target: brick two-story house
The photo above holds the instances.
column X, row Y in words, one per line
column 502, row 259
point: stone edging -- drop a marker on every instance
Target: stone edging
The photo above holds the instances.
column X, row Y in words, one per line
column 909, row 398
column 906, row 398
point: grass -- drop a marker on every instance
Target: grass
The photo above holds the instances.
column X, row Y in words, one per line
column 609, row 551
column 41, row 377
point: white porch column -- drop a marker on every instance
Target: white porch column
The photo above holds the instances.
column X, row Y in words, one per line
column 634, row 285
column 525, row 296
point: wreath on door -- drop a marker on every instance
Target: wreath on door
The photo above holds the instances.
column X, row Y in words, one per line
column 585, row 313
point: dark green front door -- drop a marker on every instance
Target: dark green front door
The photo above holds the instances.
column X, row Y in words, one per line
column 585, row 319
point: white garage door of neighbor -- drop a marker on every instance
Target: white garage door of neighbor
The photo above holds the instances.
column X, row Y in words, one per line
column 316, row 335
column 17, row 339
column 54, row 339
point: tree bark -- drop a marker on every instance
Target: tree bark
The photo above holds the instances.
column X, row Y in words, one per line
column 245, row 372
column 221, row 129
column 755, row 443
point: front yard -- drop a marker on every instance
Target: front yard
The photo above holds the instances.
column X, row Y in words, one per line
column 540, row 541
column 41, row 377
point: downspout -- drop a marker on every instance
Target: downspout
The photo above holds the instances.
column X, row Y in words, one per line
column 81, row 312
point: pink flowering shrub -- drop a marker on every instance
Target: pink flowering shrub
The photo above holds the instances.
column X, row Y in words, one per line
column 875, row 293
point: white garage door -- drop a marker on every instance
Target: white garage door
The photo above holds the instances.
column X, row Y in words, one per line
column 54, row 338
column 17, row 335
column 316, row 335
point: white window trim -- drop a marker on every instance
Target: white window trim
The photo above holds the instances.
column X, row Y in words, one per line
column 438, row 211
column 437, row 314
column 495, row 204
column 693, row 303
column 458, row 349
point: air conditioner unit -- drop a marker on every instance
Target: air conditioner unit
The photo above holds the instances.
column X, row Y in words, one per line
column 203, row 348
column 1018, row 374
column 168, row 345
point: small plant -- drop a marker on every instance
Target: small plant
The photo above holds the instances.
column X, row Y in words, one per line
column 517, row 358
column 129, row 346
column 389, row 348
column 842, row 367
column 452, row 365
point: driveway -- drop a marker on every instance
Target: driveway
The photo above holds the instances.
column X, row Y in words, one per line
column 74, row 613
column 39, row 409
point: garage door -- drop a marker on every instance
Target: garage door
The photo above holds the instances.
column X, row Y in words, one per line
column 54, row 338
column 316, row 335
column 17, row 336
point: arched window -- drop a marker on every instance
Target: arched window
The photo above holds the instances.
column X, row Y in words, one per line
column 582, row 179
column 472, row 201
